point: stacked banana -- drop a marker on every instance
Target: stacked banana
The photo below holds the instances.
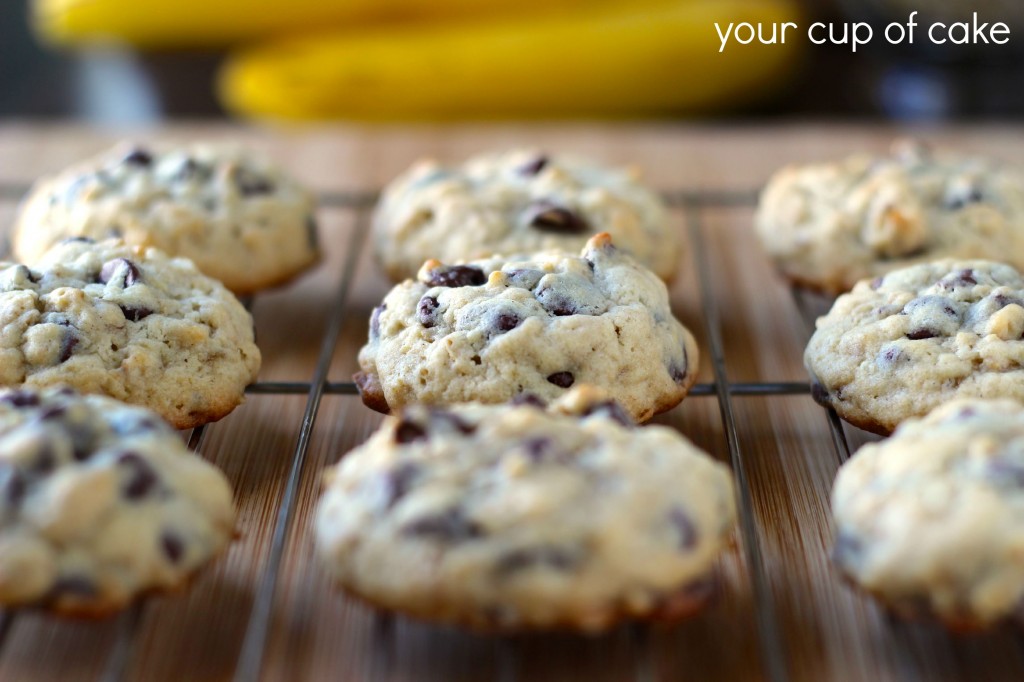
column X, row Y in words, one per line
column 405, row 59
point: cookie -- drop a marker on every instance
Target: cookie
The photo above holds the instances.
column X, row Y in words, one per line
column 491, row 329
column 128, row 322
column 518, row 201
column 900, row 345
column 240, row 220
column 929, row 520
column 829, row 225
column 510, row 517
column 100, row 503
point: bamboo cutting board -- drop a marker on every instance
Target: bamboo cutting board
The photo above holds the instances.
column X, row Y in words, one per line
column 266, row 611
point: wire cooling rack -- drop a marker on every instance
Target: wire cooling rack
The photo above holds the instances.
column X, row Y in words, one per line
column 770, row 632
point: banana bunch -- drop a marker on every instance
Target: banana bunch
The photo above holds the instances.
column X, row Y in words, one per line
column 465, row 58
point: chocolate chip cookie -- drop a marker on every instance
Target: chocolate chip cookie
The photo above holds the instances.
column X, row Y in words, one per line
column 100, row 503
column 519, row 201
column 929, row 520
column 829, row 225
column 510, row 517
column 898, row 346
column 240, row 220
column 491, row 329
column 128, row 322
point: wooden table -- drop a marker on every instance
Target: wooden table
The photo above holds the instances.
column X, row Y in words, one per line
column 266, row 610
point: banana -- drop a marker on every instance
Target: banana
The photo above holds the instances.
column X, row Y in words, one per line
column 211, row 23
column 615, row 62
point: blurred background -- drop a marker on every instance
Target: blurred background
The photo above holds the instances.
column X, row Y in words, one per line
column 132, row 62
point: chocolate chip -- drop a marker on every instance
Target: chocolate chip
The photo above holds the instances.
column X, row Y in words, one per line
column 451, row 525
column 20, row 398
column 74, row 585
column 426, row 310
column 453, row 420
column 504, row 322
column 12, row 485
column 1006, row 471
column 173, row 546
column 52, row 412
column 408, row 431
column 72, row 240
column 527, row 399
column 141, row 478
column 972, row 196
column 961, row 278
column 1002, row 300
column 820, row 394
column 524, row 278
column 134, row 313
column 562, row 379
column 891, row 355
column 398, row 481
column 534, row 166
column 138, row 157
column 537, row 447
column 918, row 334
column 132, row 423
column 548, row 217
column 83, row 441
column 22, row 272
column 556, row 304
column 846, row 548
column 612, row 410
column 250, row 184
column 45, row 461
column 123, row 270
column 877, row 282
column 312, row 232
column 456, row 276
column 190, row 169
column 678, row 375
column 684, row 526
column 519, row 560
column 375, row 320
column 67, row 345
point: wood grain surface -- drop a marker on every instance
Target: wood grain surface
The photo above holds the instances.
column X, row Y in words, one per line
column 817, row 629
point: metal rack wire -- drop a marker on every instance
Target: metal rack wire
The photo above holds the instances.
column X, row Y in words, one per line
column 251, row 656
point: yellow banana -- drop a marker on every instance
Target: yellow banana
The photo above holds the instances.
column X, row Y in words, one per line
column 207, row 23
column 618, row 61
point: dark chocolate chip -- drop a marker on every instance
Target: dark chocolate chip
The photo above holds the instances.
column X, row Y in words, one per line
column 408, row 431
column 527, row 399
column 123, row 270
column 534, row 166
column 12, row 485
column 134, row 313
column 820, row 394
column 20, row 398
column 450, row 525
column 612, row 410
column 453, row 420
column 141, row 479
column 548, row 217
column 74, row 585
column 918, row 334
column 398, row 481
column 962, row 199
column 846, row 549
column 456, row 276
column 67, row 345
column 556, row 304
column 877, row 282
column 173, row 546
column 51, row 412
column 537, row 447
column 250, row 184
column 426, row 311
column 562, row 379
column 504, row 322
column 961, row 278
column 1002, row 300
column 71, row 240
column 45, row 461
column 519, row 560
column 83, row 441
column 678, row 374
column 312, row 233
column 25, row 273
column 138, row 157
column 524, row 278
column 892, row 355
column 684, row 526
column 375, row 320
column 133, row 424
column 190, row 169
